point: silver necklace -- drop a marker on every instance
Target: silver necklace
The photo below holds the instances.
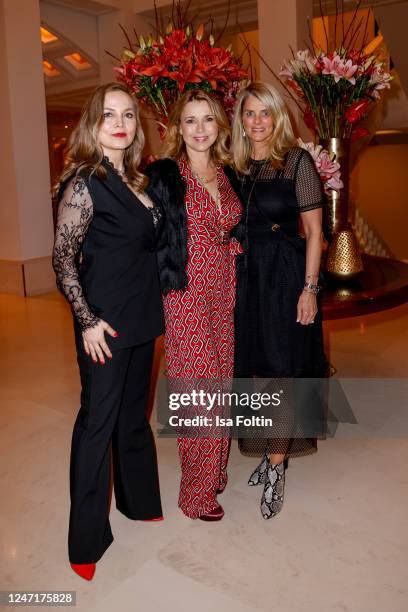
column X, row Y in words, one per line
column 217, row 198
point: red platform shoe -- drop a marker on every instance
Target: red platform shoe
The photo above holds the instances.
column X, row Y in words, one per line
column 213, row 515
column 85, row 570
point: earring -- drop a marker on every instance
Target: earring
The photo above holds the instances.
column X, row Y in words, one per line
column 243, row 132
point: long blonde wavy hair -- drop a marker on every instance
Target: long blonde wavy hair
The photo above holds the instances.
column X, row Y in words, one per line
column 282, row 137
column 173, row 143
column 85, row 153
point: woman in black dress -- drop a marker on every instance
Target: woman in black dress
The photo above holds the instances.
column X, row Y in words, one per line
column 105, row 262
column 278, row 321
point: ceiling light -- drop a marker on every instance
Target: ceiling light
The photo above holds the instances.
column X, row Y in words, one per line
column 78, row 61
column 50, row 70
column 47, row 36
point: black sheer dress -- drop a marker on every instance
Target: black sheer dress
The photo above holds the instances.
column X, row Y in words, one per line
column 271, row 274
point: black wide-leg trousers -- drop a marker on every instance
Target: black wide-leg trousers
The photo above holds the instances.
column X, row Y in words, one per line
column 112, row 420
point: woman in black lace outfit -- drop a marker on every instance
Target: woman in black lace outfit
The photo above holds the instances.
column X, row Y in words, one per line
column 278, row 321
column 105, row 262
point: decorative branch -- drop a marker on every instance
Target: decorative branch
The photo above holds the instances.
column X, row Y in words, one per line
column 126, row 36
column 343, row 42
column 324, row 25
column 335, row 27
column 111, row 55
column 225, row 23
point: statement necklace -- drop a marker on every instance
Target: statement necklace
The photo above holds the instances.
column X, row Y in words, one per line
column 203, row 179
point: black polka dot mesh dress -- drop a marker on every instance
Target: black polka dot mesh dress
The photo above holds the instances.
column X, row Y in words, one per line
column 269, row 343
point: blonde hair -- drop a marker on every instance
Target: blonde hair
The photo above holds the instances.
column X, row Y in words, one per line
column 282, row 137
column 173, row 144
column 85, row 153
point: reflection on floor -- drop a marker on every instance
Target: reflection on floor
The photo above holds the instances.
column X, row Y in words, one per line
column 340, row 543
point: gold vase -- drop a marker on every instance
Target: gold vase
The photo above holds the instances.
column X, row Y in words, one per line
column 343, row 257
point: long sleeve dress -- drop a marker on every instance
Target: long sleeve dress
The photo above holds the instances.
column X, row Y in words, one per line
column 199, row 338
column 270, row 344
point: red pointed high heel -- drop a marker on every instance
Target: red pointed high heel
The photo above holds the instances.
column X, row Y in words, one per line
column 85, row 570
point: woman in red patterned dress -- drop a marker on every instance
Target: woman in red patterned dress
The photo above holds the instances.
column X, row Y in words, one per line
column 197, row 269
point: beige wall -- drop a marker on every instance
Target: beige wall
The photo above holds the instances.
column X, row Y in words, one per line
column 379, row 186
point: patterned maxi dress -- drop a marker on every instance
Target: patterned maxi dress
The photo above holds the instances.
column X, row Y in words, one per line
column 199, row 341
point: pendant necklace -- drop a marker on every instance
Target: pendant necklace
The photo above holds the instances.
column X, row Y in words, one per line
column 217, row 198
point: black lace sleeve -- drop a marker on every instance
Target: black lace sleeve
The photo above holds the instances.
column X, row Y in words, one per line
column 75, row 212
column 309, row 191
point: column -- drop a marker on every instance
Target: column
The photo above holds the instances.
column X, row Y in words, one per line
column 26, row 230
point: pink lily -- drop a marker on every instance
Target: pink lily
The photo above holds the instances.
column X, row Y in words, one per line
column 334, row 182
column 346, row 70
column 327, row 168
column 339, row 68
column 380, row 79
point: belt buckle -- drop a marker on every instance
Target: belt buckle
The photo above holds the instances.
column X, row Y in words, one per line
column 275, row 227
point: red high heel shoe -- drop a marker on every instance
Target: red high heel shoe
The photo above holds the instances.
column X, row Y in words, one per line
column 85, row 570
column 213, row 515
column 153, row 520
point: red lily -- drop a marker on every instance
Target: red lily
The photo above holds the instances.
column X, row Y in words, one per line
column 357, row 110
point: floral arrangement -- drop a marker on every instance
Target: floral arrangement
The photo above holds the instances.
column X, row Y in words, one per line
column 336, row 90
column 158, row 70
column 326, row 165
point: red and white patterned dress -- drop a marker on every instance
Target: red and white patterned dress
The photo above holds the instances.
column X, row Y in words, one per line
column 199, row 340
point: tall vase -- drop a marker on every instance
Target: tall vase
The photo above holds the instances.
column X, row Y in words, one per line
column 343, row 257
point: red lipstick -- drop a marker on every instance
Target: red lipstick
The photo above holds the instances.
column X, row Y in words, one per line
column 120, row 135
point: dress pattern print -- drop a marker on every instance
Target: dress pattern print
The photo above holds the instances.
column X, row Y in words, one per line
column 199, row 341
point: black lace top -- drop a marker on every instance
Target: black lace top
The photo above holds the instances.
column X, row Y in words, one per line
column 300, row 168
column 75, row 213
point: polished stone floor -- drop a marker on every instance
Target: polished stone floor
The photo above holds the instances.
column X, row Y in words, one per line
column 340, row 543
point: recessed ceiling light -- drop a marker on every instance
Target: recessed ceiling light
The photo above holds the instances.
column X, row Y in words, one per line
column 78, row 61
column 47, row 36
column 49, row 69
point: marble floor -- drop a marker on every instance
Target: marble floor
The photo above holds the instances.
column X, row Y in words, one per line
column 340, row 543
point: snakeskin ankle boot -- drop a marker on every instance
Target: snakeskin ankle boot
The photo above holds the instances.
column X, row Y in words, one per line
column 258, row 476
column 272, row 496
